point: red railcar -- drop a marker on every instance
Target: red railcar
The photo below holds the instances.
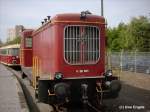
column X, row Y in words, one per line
column 69, row 59
column 9, row 55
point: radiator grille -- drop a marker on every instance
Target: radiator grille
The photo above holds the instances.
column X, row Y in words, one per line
column 81, row 44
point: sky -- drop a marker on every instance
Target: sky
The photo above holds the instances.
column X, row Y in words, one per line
column 30, row 13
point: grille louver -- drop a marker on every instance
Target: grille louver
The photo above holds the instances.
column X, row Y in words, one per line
column 81, row 45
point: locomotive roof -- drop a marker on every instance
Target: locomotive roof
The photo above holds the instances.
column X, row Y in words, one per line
column 11, row 46
column 73, row 18
column 27, row 31
column 76, row 17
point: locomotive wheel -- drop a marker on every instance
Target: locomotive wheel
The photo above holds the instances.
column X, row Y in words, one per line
column 43, row 91
column 115, row 87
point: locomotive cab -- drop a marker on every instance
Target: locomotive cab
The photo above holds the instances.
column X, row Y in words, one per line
column 26, row 53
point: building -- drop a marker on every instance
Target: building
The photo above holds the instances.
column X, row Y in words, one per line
column 18, row 30
column 12, row 33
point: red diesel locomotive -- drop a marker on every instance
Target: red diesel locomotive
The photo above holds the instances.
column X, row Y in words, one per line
column 67, row 58
column 9, row 55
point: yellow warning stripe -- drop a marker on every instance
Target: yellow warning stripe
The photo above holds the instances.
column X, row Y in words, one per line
column 36, row 70
column 21, row 57
column 33, row 72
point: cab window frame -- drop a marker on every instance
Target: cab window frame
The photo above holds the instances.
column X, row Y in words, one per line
column 28, row 42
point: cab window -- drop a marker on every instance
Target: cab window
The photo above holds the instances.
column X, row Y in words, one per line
column 28, row 42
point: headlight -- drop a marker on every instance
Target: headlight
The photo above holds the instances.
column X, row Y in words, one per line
column 108, row 73
column 58, row 75
column 107, row 83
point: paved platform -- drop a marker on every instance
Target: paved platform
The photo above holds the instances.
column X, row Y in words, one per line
column 11, row 95
column 29, row 91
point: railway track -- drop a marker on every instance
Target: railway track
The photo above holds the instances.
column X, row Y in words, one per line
column 61, row 108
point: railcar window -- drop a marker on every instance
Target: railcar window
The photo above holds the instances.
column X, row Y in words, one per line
column 28, row 42
column 9, row 51
column 81, row 44
column 4, row 51
column 15, row 51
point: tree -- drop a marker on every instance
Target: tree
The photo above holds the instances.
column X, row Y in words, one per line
column 132, row 36
column 1, row 43
column 139, row 29
column 114, row 39
column 17, row 40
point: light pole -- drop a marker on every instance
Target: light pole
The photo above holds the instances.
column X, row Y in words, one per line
column 102, row 12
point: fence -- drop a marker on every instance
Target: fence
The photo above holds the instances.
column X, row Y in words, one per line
column 130, row 61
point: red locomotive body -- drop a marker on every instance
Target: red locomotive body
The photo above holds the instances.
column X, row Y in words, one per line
column 69, row 58
column 79, row 56
column 10, row 55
